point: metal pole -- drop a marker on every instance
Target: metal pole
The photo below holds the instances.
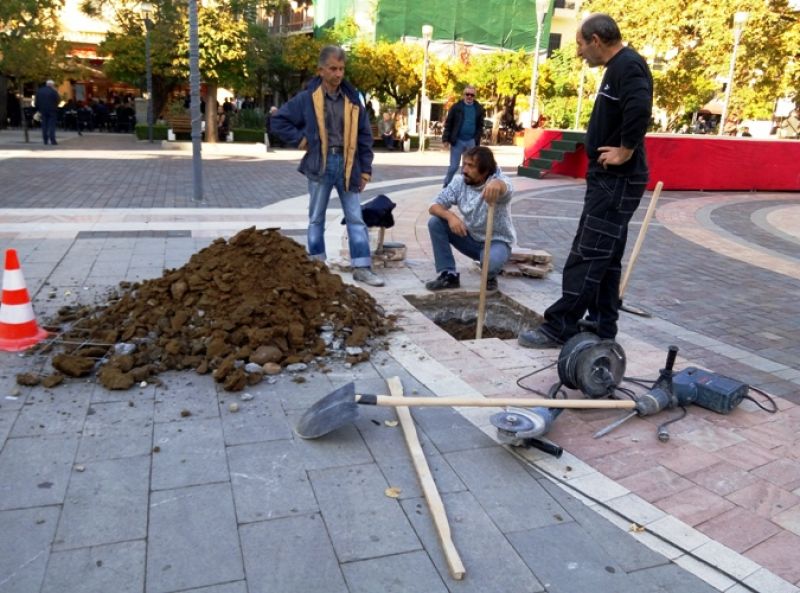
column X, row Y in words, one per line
column 424, row 98
column 535, row 74
column 580, row 97
column 737, row 35
column 194, row 84
column 147, row 25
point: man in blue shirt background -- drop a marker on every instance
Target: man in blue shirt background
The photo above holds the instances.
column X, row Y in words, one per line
column 462, row 130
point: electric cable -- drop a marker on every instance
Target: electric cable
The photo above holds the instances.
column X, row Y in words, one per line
column 767, row 396
column 531, row 374
column 620, row 514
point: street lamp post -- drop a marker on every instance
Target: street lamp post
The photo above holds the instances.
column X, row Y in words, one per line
column 739, row 19
column 542, row 7
column 427, row 34
column 146, row 10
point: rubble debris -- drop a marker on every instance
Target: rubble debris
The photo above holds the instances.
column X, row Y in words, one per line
column 255, row 298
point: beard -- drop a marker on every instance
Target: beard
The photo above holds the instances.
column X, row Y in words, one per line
column 472, row 181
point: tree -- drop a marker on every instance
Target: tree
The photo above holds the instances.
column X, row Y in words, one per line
column 29, row 45
column 502, row 77
column 694, row 40
column 223, row 48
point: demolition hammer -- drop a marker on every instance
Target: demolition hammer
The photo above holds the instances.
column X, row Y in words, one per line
column 712, row 391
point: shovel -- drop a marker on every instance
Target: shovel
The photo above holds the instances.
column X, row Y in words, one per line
column 485, row 271
column 340, row 407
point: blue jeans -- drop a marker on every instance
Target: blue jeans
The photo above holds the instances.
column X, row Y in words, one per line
column 456, row 150
column 49, row 127
column 320, row 193
column 442, row 238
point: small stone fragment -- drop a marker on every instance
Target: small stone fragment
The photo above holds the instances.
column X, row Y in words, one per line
column 233, row 407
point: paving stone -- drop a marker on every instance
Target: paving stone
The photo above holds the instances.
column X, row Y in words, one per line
column 116, row 429
column 192, row 539
column 114, row 567
column 492, row 565
column 290, row 555
column 260, row 419
column 496, row 480
column 565, row 559
column 363, row 521
column 668, row 578
column 269, row 481
column 235, row 587
column 35, row 470
column 7, row 418
column 24, row 547
column 298, row 397
column 620, row 545
column 448, row 430
column 400, row 573
column 173, row 397
column 190, row 452
column 342, row 447
column 106, row 502
column 52, row 413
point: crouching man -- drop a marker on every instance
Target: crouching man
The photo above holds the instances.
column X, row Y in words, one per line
column 480, row 184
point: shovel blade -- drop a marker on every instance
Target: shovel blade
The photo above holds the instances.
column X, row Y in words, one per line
column 336, row 409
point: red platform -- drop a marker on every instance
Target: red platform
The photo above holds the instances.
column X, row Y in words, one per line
column 694, row 162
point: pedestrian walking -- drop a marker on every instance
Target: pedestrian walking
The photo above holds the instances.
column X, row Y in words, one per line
column 615, row 182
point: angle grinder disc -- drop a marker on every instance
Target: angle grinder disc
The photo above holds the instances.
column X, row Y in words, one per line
column 512, row 422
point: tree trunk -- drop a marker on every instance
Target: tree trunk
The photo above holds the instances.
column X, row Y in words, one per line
column 3, row 102
column 211, row 113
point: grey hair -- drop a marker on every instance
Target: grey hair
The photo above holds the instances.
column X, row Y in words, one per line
column 328, row 52
column 603, row 26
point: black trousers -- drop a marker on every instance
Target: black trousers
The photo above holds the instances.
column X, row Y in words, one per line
column 593, row 269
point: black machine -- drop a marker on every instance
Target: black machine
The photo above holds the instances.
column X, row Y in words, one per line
column 596, row 367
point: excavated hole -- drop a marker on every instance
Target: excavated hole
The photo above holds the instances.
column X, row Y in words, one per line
column 457, row 314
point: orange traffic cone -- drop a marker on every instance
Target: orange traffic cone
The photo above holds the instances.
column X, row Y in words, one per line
column 18, row 327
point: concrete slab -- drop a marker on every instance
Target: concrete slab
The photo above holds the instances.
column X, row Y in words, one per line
column 24, row 547
column 290, row 554
column 98, row 569
column 192, row 539
column 362, row 520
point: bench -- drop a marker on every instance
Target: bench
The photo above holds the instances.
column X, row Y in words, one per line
column 180, row 124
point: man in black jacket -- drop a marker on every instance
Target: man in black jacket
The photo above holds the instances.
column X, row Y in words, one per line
column 615, row 182
column 462, row 130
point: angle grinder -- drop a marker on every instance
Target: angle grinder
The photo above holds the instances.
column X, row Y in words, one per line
column 523, row 427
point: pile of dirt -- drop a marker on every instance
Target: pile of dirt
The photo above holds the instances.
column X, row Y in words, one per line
column 238, row 309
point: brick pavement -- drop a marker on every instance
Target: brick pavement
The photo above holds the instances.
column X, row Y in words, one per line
column 724, row 487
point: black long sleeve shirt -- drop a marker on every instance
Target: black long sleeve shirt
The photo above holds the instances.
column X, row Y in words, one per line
column 622, row 112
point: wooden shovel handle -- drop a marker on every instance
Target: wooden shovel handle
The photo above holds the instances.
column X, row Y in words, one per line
column 640, row 238
column 494, row 402
column 435, row 504
column 487, row 246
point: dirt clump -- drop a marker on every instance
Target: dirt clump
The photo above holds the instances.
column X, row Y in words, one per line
column 256, row 299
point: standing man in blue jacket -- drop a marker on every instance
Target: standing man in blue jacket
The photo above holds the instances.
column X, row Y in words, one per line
column 462, row 130
column 47, row 100
column 615, row 182
column 330, row 123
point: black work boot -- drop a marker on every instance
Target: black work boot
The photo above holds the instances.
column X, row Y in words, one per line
column 445, row 280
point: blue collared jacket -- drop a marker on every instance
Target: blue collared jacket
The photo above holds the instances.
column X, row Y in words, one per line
column 301, row 122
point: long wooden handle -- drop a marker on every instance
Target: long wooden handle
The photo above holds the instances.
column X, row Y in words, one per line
column 427, row 484
column 640, row 239
column 487, row 246
column 493, row 402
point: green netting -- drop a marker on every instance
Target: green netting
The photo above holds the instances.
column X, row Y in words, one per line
column 509, row 24
column 330, row 12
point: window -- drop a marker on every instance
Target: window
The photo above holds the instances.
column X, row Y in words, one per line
column 554, row 43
